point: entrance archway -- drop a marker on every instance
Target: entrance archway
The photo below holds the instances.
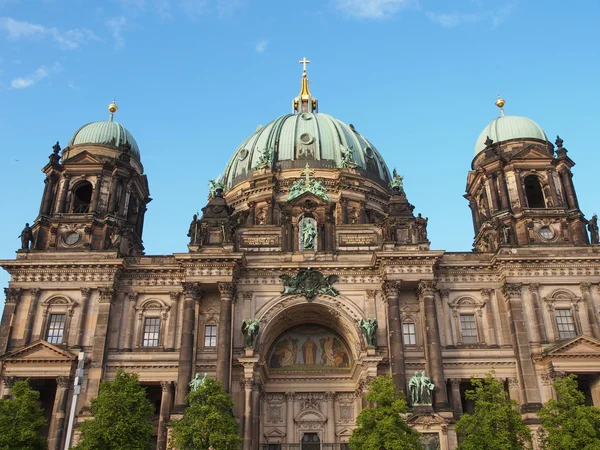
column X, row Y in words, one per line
column 311, row 441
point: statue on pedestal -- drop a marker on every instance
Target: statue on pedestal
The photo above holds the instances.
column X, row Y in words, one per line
column 369, row 329
column 26, row 237
column 593, row 229
column 421, row 389
column 250, row 330
column 197, row 382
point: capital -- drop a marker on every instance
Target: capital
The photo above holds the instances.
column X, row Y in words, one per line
column 486, row 294
column 166, row 386
column 534, row 287
column 107, row 295
column 132, row 297
column 174, row 296
column 34, row 293
column 85, row 293
column 13, row 295
column 511, row 290
column 191, row 290
column 444, row 293
column 290, row 396
column 9, row 382
column 390, row 288
column 456, row 383
column 63, row 382
column 329, row 395
column 586, row 288
column 226, row 290
column 426, row 288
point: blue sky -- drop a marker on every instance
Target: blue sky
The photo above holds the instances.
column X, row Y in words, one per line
column 194, row 78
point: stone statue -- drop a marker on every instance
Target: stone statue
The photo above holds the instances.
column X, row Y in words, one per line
column 250, row 330
column 369, row 329
column 193, row 230
column 397, row 184
column 215, row 187
column 421, row 389
column 55, row 157
column 114, row 237
column 309, row 233
column 26, row 237
column 421, row 228
column 197, row 382
column 265, row 159
column 593, row 229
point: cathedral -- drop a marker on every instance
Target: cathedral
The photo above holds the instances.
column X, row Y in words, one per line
column 307, row 275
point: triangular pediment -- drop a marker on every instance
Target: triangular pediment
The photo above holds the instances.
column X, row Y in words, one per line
column 345, row 432
column 302, row 198
column 84, row 157
column 38, row 351
column 275, row 433
column 532, row 152
column 580, row 346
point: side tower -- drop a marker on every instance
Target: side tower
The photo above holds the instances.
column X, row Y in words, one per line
column 96, row 193
column 520, row 189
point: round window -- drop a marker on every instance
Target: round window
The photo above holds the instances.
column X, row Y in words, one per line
column 243, row 153
column 306, row 116
column 72, row 238
column 369, row 152
column 546, row 233
column 306, row 138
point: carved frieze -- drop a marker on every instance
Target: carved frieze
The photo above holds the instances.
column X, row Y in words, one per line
column 309, row 283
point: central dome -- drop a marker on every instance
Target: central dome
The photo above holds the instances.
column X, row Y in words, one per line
column 306, row 137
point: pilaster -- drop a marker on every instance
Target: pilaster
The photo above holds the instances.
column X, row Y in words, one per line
column 390, row 291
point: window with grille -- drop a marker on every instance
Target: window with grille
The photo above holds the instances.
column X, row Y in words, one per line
column 468, row 329
column 56, row 328
column 565, row 324
column 409, row 334
column 151, row 332
column 210, row 336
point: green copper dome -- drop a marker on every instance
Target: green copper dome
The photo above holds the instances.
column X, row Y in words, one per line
column 293, row 140
column 504, row 128
column 105, row 133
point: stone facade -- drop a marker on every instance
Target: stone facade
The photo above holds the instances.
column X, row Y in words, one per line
column 524, row 304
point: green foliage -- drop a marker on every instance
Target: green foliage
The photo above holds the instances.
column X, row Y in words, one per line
column 208, row 421
column 495, row 424
column 22, row 420
column 568, row 423
column 122, row 415
column 382, row 427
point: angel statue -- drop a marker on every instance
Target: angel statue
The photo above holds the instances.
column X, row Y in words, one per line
column 369, row 329
column 250, row 330
column 197, row 382
column 215, row 187
column 397, row 184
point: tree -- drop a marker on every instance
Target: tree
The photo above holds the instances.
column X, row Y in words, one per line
column 382, row 426
column 22, row 420
column 207, row 422
column 567, row 422
column 495, row 424
column 122, row 415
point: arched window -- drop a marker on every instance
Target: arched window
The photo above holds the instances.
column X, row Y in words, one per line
column 82, row 197
column 533, row 192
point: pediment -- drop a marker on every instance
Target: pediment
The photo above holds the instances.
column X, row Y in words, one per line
column 305, row 196
column 310, row 415
column 580, row 346
column 275, row 433
column 345, row 432
column 84, row 157
column 40, row 351
column 531, row 152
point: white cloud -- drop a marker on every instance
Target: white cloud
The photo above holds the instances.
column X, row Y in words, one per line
column 452, row 20
column 497, row 16
column 39, row 74
column 261, row 46
column 373, row 9
column 117, row 25
column 66, row 40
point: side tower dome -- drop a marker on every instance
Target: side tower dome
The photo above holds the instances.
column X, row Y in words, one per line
column 95, row 197
column 520, row 190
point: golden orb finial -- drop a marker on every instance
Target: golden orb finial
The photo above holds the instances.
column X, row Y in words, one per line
column 500, row 102
column 113, row 108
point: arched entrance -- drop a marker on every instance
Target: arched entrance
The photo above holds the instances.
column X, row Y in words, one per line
column 313, row 364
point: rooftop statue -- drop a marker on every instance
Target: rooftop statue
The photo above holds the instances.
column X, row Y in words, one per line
column 26, row 237
column 307, row 184
column 215, row 187
column 396, row 183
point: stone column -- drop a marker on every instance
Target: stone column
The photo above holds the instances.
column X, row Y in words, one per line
column 475, row 214
column 165, row 412
column 504, row 200
column 289, row 418
column 247, row 384
column 47, row 198
column 486, row 296
column 8, row 382
column 59, row 411
column 391, row 295
column 227, row 291
column 123, row 200
column 568, row 189
column 105, row 298
column 173, row 311
column 191, row 293
column 96, row 196
column 552, row 186
column 530, row 393
column 256, row 391
column 85, row 297
column 590, row 307
column 537, row 311
column 520, row 192
column 456, row 400
column 34, row 296
column 492, row 187
column 112, row 206
column 132, row 298
column 426, row 292
column 62, row 204
column 13, row 297
column 329, row 398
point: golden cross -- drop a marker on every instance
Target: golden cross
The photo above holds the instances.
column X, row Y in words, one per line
column 304, row 62
column 307, row 172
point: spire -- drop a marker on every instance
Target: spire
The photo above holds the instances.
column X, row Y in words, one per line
column 500, row 104
column 113, row 108
column 305, row 102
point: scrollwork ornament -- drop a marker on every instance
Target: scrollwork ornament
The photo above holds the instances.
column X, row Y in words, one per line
column 191, row 289
column 226, row 290
column 426, row 288
column 390, row 288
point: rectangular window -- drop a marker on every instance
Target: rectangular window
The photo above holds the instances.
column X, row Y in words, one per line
column 210, row 336
column 564, row 322
column 56, row 328
column 151, row 332
column 409, row 334
column 468, row 329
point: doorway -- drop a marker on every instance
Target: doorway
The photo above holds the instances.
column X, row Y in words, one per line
column 311, row 441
